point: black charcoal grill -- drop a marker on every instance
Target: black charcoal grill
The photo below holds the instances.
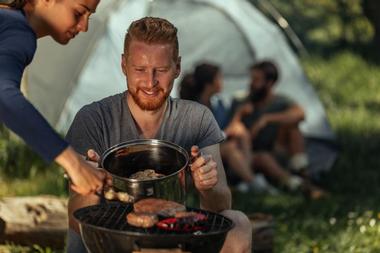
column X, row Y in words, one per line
column 104, row 228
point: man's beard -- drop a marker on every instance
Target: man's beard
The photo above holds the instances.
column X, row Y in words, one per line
column 258, row 95
column 152, row 104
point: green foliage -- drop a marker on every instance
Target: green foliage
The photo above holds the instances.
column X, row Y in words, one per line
column 322, row 24
column 38, row 249
column 16, row 159
column 12, row 248
column 22, row 172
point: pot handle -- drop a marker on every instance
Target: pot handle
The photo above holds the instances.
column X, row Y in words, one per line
column 99, row 194
column 102, row 200
column 192, row 158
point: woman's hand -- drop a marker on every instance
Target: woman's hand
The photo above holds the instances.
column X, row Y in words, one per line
column 85, row 177
column 94, row 159
column 203, row 170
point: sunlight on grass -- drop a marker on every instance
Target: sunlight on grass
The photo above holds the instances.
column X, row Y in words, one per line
column 49, row 182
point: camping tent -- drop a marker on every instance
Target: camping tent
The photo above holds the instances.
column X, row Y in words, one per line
column 231, row 33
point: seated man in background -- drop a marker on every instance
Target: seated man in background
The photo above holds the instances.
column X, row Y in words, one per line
column 273, row 122
column 151, row 64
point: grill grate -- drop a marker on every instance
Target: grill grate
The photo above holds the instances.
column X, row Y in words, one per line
column 112, row 216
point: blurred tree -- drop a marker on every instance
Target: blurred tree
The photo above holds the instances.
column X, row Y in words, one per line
column 346, row 18
column 371, row 9
column 325, row 25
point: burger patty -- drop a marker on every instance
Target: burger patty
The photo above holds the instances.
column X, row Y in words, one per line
column 160, row 207
column 143, row 220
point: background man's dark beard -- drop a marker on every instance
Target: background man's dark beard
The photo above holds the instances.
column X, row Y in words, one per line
column 258, row 95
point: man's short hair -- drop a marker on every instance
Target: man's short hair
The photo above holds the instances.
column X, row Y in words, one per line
column 269, row 68
column 152, row 30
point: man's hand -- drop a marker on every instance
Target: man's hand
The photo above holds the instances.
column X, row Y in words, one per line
column 237, row 129
column 203, row 169
column 245, row 110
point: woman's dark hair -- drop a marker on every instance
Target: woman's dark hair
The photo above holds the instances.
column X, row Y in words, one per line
column 192, row 85
column 16, row 4
column 269, row 69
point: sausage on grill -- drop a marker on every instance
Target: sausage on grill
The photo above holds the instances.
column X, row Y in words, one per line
column 143, row 220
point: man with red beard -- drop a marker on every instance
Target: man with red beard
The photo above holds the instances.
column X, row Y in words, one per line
column 151, row 63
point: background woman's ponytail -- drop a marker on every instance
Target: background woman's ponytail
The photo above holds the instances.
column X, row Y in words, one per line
column 16, row 4
column 187, row 88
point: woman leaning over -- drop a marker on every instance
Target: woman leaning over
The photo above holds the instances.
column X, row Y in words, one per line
column 22, row 22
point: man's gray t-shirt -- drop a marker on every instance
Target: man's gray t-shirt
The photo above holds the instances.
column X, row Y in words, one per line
column 105, row 123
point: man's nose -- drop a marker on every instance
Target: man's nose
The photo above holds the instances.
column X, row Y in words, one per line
column 152, row 79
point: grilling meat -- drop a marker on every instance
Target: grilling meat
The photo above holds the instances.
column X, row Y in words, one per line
column 147, row 211
column 110, row 194
column 143, row 220
column 158, row 206
column 146, row 175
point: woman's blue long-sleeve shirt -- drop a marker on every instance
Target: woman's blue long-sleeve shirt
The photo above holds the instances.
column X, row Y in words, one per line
column 17, row 48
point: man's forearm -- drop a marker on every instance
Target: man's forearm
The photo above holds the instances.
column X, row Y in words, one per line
column 216, row 200
column 291, row 116
column 219, row 197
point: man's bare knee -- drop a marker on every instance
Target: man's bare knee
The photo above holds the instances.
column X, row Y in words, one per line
column 239, row 239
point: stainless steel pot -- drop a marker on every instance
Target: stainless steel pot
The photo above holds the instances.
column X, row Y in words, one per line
column 166, row 158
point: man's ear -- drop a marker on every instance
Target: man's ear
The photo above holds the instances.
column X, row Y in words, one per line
column 178, row 67
column 124, row 63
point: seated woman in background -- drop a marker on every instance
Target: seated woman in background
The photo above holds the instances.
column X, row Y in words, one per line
column 201, row 86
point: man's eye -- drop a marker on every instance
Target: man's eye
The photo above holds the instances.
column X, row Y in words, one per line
column 162, row 70
column 139, row 70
